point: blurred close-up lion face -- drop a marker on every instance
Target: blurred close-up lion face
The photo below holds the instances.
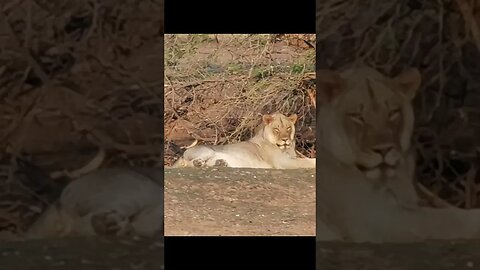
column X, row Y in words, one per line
column 367, row 118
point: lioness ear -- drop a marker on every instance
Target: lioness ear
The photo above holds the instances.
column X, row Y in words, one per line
column 293, row 118
column 267, row 119
column 409, row 82
column 330, row 85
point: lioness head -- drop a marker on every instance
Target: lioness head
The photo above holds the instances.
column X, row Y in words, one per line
column 366, row 119
column 279, row 129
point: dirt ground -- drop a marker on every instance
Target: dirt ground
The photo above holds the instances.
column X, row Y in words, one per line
column 228, row 201
column 438, row 255
column 83, row 253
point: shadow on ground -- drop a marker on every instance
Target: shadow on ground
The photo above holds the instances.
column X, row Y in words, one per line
column 83, row 253
column 234, row 201
column 438, row 255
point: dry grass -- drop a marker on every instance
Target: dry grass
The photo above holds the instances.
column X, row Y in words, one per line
column 217, row 87
column 443, row 41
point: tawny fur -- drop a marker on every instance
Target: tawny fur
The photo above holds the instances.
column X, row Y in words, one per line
column 108, row 201
column 273, row 146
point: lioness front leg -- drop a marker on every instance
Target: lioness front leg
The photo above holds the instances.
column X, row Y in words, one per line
column 306, row 162
column 296, row 163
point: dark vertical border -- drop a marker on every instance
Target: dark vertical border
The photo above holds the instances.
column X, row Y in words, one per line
column 240, row 253
column 162, row 134
column 247, row 16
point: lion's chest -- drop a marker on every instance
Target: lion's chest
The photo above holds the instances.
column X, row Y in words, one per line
column 348, row 196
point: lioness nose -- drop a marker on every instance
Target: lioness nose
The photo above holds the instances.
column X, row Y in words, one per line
column 383, row 149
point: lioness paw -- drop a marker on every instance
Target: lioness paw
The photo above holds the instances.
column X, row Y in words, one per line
column 221, row 163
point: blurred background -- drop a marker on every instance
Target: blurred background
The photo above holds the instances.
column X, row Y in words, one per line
column 442, row 39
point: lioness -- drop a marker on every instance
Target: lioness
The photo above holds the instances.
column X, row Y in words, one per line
column 365, row 189
column 106, row 202
column 273, row 146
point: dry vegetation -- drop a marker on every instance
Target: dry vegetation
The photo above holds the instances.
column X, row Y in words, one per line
column 217, row 87
column 78, row 76
column 442, row 39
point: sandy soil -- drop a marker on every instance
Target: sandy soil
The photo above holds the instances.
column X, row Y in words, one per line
column 227, row 201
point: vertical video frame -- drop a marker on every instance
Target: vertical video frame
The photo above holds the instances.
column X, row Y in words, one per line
column 239, row 134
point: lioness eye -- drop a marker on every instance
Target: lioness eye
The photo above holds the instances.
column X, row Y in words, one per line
column 276, row 130
column 394, row 114
column 356, row 117
column 289, row 128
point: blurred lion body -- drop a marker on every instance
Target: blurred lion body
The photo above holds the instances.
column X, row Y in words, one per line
column 365, row 191
column 273, row 146
column 106, row 202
